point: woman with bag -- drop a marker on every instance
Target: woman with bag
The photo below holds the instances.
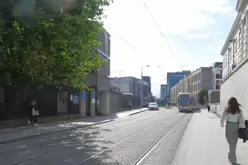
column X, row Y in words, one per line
column 35, row 113
column 234, row 120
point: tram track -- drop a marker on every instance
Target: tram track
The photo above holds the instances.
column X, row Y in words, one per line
column 162, row 145
column 139, row 161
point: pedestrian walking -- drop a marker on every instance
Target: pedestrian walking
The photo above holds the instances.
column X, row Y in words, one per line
column 234, row 120
column 208, row 107
column 34, row 113
column 130, row 105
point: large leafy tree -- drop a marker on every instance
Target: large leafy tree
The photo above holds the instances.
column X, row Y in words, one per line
column 49, row 41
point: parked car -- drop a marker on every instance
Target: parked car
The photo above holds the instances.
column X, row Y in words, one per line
column 153, row 105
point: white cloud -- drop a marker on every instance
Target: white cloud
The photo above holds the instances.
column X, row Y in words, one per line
column 185, row 18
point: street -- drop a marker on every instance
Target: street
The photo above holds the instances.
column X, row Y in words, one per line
column 151, row 137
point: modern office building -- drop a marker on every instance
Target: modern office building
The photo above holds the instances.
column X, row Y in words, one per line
column 148, row 80
column 163, row 91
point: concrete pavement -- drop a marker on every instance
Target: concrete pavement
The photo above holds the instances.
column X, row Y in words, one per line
column 204, row 143
column 13, row 134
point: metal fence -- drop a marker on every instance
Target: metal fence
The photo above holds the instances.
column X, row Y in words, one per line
column 15, row 102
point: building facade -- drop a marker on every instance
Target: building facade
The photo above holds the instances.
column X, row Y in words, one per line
column 163, row 91
column 131, row 85
column 183, row 86
column 174, row 78
column 100, row 82
column 201, row 79
column 216, row 75
column 174, row 93
column 148, row 80
column 235, row 57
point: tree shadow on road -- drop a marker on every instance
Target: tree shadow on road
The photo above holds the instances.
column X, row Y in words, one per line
column 48, row 128
column 62, row 148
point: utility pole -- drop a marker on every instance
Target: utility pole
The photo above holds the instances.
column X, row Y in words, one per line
column 141, row 92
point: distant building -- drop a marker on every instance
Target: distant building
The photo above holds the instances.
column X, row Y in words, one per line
column 127, row 84
column 216, row 75
column 148, row 80
column 163, row 91
column 174, row 78
column 201, row 79
column 198, row 80
column 184, row 86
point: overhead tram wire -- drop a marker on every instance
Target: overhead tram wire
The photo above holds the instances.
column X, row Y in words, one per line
column 156, row 24
column 120, row 37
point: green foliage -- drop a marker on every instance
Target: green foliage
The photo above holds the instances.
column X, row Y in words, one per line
column 49, row 42
column 203, row 96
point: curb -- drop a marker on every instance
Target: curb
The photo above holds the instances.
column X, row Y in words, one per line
column 137, row 112
column 47, row 133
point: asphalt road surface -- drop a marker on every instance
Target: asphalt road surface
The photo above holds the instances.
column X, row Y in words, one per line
column 148, row 138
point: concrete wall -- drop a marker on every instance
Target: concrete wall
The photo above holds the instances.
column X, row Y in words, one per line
column 105, row 70
column 236, row 85
column 214, row 97
column 216, row 109
column 119, row 102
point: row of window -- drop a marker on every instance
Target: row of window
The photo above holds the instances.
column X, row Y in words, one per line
column 196, row 77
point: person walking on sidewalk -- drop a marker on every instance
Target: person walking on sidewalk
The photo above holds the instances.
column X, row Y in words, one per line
column 208, row 107
column 234, row 117
column 34, row 113
column 129, row 105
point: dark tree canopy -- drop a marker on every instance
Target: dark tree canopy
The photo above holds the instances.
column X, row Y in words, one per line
column 49, row 41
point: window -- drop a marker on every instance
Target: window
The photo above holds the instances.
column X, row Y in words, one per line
column 235, row 45
column 199, row 76
column 218, row 82
column 218, row 76
column 239, row 38
column 217, row 87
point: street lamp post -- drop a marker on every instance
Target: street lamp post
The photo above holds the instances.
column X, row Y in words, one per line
column 141, row 92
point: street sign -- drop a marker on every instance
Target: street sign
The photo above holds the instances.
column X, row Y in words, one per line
column 83, row 95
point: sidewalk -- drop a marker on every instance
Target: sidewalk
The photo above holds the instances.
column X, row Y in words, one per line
column 204, row 143
column 20, row 133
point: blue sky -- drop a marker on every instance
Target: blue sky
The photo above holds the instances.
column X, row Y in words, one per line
column 195, row 31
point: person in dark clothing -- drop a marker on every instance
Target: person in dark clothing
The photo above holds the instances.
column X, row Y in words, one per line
column 208, row 107
column 33, row 112
column 129, row 105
